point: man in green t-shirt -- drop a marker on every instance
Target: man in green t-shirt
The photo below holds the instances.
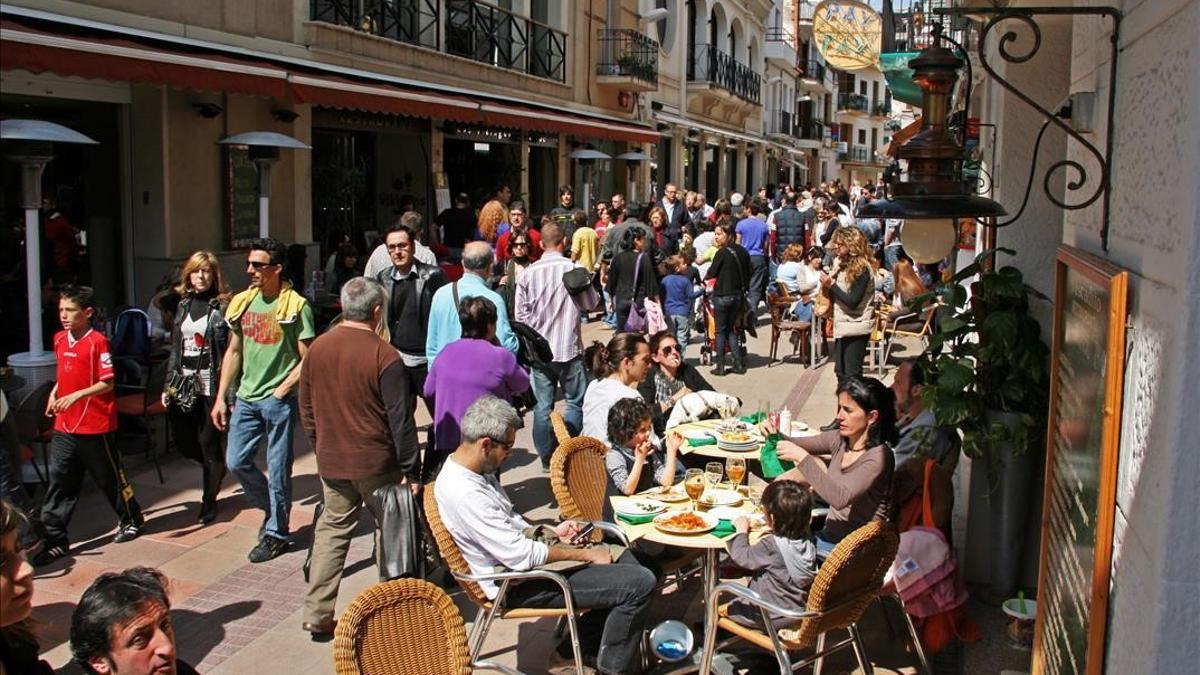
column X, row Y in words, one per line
column 272, row 326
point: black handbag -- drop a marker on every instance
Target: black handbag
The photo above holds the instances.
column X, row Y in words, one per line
column 577, row 280
column 182, row 389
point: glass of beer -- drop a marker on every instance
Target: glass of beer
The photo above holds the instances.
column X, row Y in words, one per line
column 693, row 484
column 735, row 468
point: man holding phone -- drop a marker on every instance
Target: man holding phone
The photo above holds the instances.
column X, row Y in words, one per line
column 485, row 526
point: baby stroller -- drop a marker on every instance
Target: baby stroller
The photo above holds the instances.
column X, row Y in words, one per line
column 705, row 322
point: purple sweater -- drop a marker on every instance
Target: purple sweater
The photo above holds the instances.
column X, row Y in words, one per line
column 465, row 370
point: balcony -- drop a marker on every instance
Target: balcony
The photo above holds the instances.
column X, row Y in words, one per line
column 810, row 131
column 497, row 37
column 780, row 47
column 853, row 104
column 628, row 60
column 813, row 75
column 709, row 65
column 415, row 23
column 858, row 154
column 778, row 123
column 882, row 108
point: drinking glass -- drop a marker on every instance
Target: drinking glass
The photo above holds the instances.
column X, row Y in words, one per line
column 735, row 468
column 713, row 471
column 693, row 484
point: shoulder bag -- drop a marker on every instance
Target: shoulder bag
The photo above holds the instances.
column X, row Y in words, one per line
column 636, row 321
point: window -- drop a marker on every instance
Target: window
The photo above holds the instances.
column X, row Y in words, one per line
column 665, row 28
column 862, row 87
column 862, row 136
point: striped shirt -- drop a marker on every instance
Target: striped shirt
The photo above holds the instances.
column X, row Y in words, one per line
column 544, row 304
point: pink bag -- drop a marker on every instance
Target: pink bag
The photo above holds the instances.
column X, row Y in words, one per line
column 655, row 321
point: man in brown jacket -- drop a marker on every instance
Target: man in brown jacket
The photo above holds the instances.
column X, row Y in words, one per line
column 355, row 406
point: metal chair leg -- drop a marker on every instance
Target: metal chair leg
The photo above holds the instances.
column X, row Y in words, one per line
column 916, row 639
column 575, row 648
column 860, row 651
column 820, row 659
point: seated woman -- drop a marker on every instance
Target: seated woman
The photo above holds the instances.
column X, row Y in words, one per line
column 476, row 366
column 790, row 270
column 633, row 448
column 907, row 287
column 783, row 565
column 616, row 368
column 670, row 378
column 856, row 479
column 808, row 279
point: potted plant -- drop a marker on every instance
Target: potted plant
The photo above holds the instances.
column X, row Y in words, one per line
column 986, row 373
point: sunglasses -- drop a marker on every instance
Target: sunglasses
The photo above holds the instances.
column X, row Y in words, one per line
column 258, row 265
column 520, row 243
column 669, row 349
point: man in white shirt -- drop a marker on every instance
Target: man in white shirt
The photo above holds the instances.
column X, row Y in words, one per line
column 380, row 260
column 491, row 534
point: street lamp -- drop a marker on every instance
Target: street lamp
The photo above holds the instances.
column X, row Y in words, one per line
column 935, row 195
column 31, row 147
column 586, row 156
column 264, row 151
column 632, row 159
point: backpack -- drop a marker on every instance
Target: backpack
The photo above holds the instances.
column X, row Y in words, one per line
column 533, row 350
column 131, row 334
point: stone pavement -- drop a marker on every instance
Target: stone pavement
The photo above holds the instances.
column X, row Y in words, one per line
column 234, row 617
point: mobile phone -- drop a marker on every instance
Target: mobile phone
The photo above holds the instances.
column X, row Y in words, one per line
column 583, row 535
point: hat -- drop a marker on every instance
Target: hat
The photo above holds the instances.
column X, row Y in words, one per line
column 736, row 199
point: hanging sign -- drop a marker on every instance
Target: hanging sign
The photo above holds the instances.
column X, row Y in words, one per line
column 848, row 34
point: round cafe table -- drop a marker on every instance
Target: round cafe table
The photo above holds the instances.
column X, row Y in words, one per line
column 714, row 450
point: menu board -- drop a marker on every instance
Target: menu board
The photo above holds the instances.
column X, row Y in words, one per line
column 1087, row 379
column 241, row 197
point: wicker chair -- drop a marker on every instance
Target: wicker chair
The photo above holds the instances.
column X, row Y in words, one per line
column 578, row 478
column 848, row 582
column 901, row 326
column 489, row 610
column 561, row 432
column 403, row 626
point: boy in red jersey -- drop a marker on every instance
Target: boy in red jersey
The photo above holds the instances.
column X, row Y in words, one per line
column 85, row 417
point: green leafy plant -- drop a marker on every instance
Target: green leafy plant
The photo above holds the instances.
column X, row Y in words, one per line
column 985, row 355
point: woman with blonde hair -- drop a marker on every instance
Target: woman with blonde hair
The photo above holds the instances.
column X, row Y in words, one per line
column 198, row 343
column 851, row 286
column 908, row 284
column 493, row 221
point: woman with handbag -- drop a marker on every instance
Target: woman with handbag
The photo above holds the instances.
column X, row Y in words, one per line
column 198, row 343
column 731, row 268
column 632, row 279
column 851, row 288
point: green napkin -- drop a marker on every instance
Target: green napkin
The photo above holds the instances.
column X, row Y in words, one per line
column 772, row 466
column 636, row 520
column 723, row 529
column 703, row 440
column 754, row 418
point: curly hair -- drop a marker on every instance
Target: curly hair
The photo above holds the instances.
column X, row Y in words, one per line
column 793, row 253
column 656, row 210
column 624, row 418
column 858, row 258
column 490, row 216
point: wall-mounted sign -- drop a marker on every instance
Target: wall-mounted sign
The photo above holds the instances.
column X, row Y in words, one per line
column 240, row 178
column 848, row 34
column 1086, row 388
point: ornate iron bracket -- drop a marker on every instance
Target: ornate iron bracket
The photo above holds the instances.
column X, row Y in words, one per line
column 1026, row 16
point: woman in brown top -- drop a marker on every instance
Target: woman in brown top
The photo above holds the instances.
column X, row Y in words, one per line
column 851, row 468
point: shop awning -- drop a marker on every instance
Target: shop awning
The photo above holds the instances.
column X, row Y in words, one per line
column 336, row 92
column 587, row 127
column 114, row 59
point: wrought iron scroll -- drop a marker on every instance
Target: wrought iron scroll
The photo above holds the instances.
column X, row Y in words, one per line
column 1026, row 16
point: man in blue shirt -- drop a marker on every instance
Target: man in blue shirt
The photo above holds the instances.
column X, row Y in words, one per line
column 444, row 326
column 754, row 236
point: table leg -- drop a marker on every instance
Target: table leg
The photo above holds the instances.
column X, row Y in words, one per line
column 710, row 572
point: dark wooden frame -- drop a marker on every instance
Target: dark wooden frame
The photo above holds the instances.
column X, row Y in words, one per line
column 1115, row 281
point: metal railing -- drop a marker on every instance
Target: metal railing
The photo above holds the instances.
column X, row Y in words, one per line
column 627, row 52
column 709, row 64
column 498, row 37
column 857, row 153
column 411, row 21
column 883, row 108
column 850, row 101
column 810, row 131
column 780, row 34
column 778, row 122
column 811, row 69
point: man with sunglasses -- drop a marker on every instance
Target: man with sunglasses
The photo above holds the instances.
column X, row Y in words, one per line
column 490, row 533
column 272, row 326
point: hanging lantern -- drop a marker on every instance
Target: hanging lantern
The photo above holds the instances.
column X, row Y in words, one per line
column 929, row 240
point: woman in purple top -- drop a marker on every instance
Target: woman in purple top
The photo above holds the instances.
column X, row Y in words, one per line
column 465, row 370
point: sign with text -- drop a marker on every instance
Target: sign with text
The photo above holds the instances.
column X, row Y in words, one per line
column 241, row 197
column 848, row 34
column 1086, row 388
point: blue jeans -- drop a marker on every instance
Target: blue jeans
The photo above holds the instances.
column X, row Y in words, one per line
column 683, row 331
column 573, row 378
column 273, row 419
column 610, row 310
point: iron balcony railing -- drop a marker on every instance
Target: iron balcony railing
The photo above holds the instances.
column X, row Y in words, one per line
column 498, row 37
column 810, row 69
column 709, row 64
column 810, row 131
column 857, row 153
column 411, row 21
column 627, row 52
column 849, row 101
column 882, row 108
column 778, row 122
column 780, row 34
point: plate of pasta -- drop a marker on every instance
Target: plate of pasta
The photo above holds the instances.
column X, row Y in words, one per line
column 685, row 522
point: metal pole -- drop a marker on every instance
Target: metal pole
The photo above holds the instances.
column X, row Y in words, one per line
column 264, row 197
column 33, row 279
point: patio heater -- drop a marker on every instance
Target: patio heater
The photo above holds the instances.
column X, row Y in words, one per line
column 586, row 156
column 264, row 149
column 31, row 145
column 633, row 161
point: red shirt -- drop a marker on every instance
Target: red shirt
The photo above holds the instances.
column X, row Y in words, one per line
column 535, row 248
column 82, row 363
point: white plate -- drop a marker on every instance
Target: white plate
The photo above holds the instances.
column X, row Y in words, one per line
column 730, row 513
column 641, row 507
column 670, row 495
column 721, row 498
column 709, row 521
column 798, row 428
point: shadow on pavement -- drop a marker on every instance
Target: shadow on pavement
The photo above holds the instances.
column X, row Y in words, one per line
column 196, row 633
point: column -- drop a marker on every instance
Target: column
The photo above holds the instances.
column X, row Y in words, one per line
column 741, row 165
column 702, row 165
column 523, row 190
column 722, row 170
column 678, row 141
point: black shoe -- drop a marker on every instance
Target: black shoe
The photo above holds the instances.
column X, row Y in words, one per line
column 268, row 548
column 127, row 532
column 719, row 369
column 208, row 512
column 320, row 632
column 739, row 368
column 50, row 553
column 832, row 426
